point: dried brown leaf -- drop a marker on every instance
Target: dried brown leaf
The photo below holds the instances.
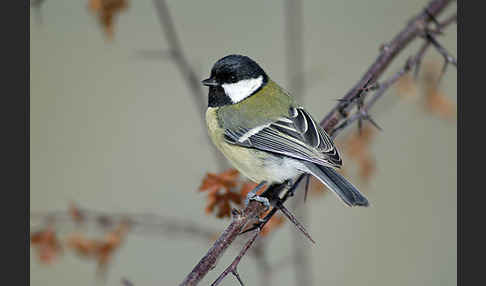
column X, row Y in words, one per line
column 46, row 244
column 106, row 10
column 223, row 181
column 436, row 101
column 406, row 86
column 357, row 147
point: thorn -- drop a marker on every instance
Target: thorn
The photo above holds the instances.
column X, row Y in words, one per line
column 432, row 18
column 235, row 273
column 294, row 220
column 408, row 64
column 417, row 68
column 307, row 181
column 435, row 31
column 371, row 87
column 261, row 222
column 360, row 119
column 447, row 57
column 442, row 72
column 370, row 119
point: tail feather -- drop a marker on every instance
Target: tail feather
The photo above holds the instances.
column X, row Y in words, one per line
column 348, row 193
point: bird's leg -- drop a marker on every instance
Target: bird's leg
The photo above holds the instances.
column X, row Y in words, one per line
column 269, row 197
column 252, row 196
column 293, row 185
column 272, row 195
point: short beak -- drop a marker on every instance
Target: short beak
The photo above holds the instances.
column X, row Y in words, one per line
column 210, row 82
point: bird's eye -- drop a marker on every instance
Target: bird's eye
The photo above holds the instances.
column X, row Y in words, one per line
column 233, row 78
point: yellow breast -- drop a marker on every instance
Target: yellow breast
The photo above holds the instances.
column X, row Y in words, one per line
column 247, row 161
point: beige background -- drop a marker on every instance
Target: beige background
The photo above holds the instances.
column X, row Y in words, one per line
column 115, row 132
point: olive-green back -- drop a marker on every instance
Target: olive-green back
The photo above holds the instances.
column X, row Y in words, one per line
column 268, row 104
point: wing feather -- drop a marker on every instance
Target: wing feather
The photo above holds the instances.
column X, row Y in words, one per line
column 297, row 136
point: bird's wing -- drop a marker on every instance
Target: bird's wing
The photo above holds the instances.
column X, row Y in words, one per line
column 297, row 136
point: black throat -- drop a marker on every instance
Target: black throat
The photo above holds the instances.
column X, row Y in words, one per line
column 217, row 97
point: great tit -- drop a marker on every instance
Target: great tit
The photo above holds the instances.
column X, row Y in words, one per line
column 265, row 134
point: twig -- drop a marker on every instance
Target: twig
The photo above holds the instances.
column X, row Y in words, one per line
column 294, row 220
column 294, row 47
column 388, row 52
column 448, row 58
column 258, row 227
column 295, row 73
column 209, row 261
column 413, row 29
column 175, row 50
column 232, row 267
column 145, row 223
column 413, row 62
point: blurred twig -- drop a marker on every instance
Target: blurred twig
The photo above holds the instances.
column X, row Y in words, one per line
column 295, row 69
column 294, row 46
column 176, row 53
column 143, row 223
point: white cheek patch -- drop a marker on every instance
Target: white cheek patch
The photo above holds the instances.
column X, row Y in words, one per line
column 240, row 90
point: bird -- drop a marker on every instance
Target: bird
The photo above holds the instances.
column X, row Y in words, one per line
column 265, row 134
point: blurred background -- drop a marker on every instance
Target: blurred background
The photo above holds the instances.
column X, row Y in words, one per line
column 114, row 127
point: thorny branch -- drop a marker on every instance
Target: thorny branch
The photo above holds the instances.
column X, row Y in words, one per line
column 238, row 222
column 412, row 62
column 232, row 267
column 416, row 27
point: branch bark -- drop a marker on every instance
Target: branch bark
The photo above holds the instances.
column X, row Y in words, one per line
column 209, row 261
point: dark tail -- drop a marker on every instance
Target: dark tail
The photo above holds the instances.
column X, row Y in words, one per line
column 348, row 193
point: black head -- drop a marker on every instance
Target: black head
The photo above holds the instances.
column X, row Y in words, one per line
column 234, row 78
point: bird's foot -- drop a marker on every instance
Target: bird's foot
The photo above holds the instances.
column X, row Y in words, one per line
column 252, row 196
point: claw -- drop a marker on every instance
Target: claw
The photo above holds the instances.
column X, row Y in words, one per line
column 252, row 195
